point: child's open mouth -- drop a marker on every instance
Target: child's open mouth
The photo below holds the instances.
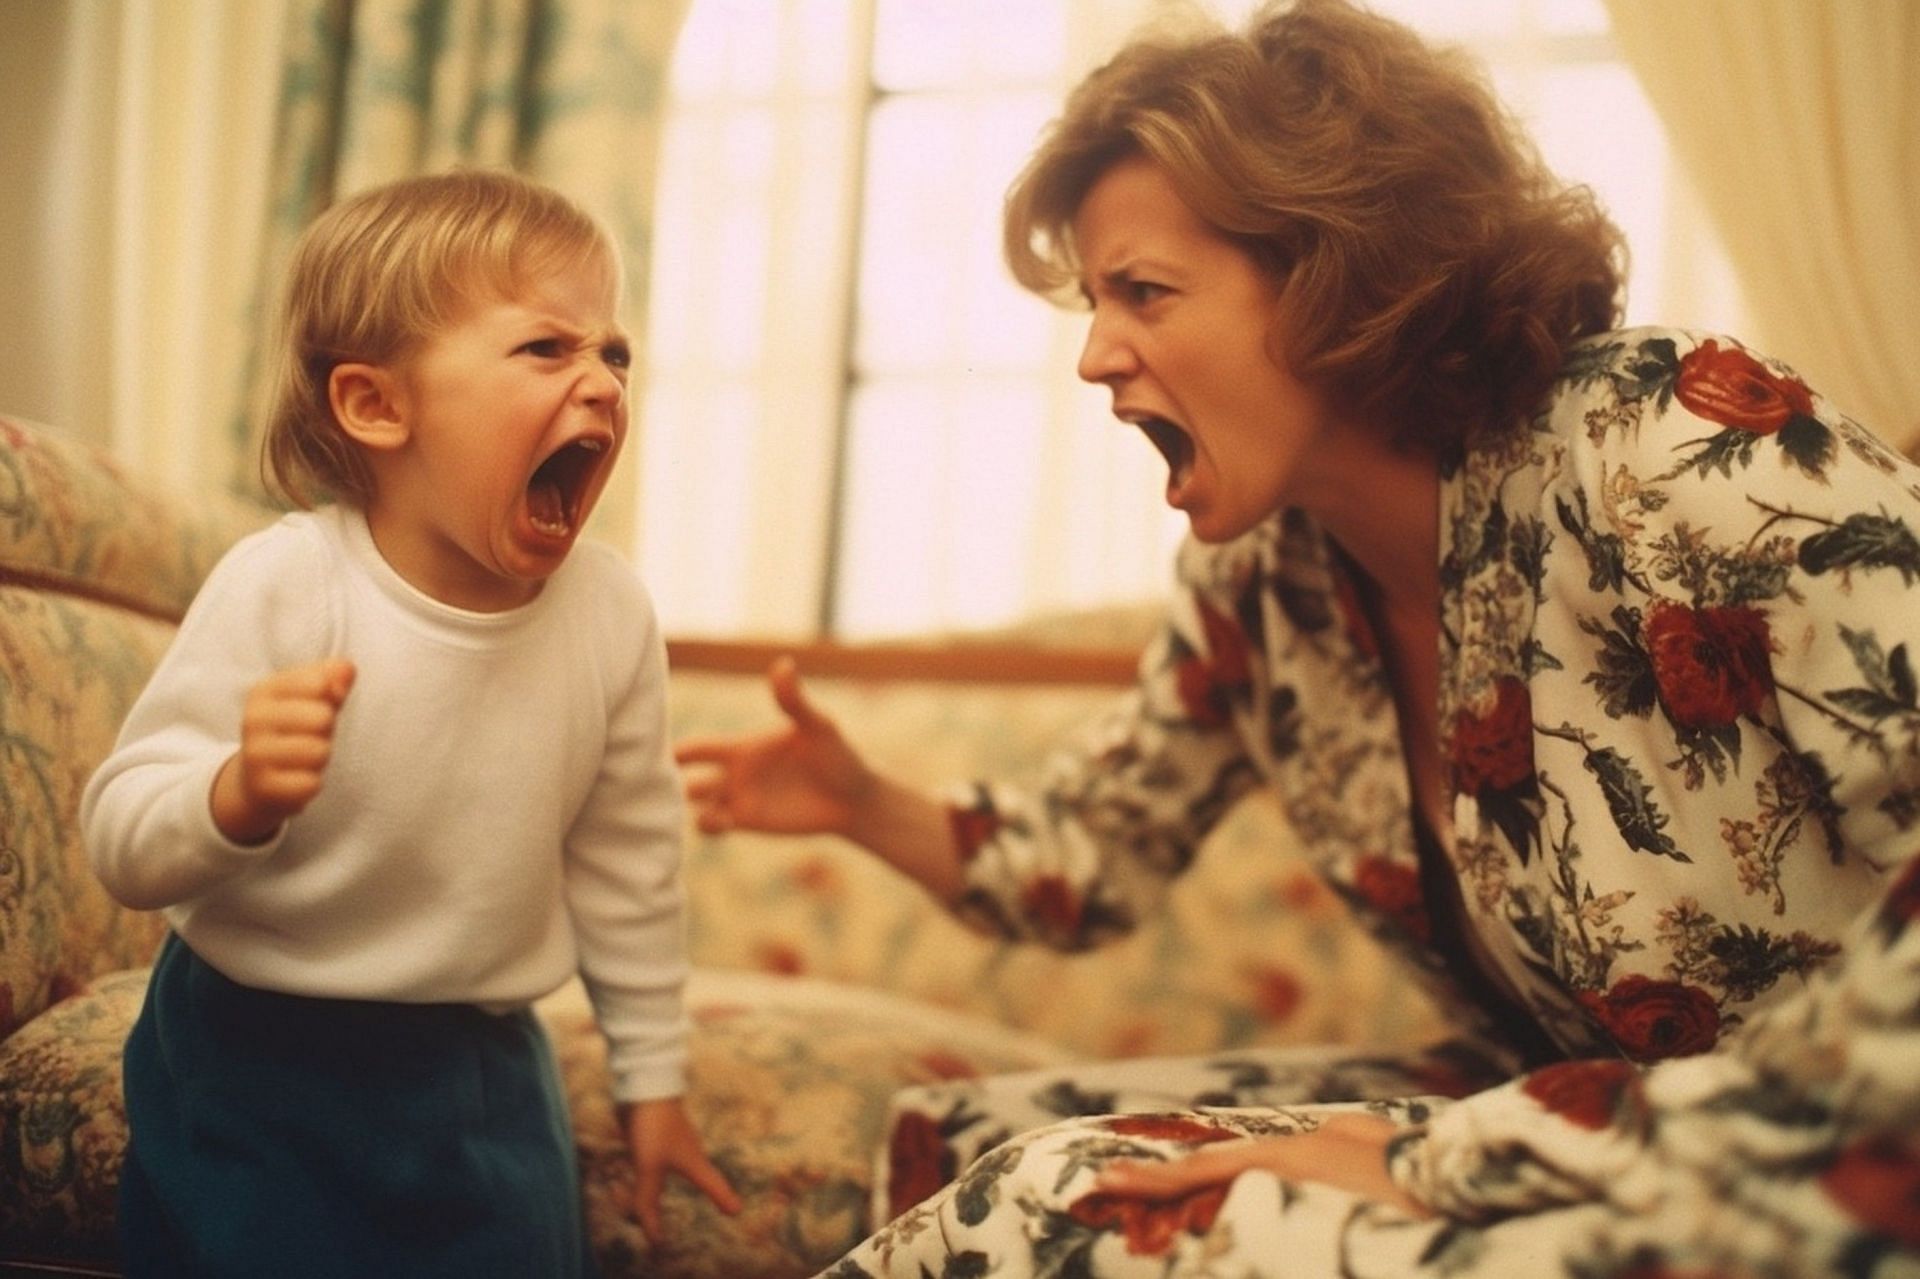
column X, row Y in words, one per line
column 556, row 496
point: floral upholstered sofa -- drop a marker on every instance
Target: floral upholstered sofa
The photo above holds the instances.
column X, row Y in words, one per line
column 824, row 984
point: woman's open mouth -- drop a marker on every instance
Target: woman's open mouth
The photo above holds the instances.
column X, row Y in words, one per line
column 557, row 494
column 1174, row 444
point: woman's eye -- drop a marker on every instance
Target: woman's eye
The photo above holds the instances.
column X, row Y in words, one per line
column 1141, row 292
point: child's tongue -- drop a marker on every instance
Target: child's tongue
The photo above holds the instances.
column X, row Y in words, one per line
column 547, row 505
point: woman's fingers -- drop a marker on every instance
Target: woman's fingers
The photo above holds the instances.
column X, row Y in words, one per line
column 1178, row 1176
column 784, row 676
column 1347, row 1151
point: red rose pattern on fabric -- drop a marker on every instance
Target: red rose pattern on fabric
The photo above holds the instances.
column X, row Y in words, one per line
column 1394, row 890
column 1151, row 1226
column 1877, row 1182
column 1208, row 682
column 919, row 1162
column 1168, row 1128
column 1051, row 900
column 1277, row 992
column 782, row 957
column 1902, row 903
column 1494, row 751
column 972, row 828
column 1710, row 664
column 1730, row 387
column 1652, row 1019
column 1587, row 1094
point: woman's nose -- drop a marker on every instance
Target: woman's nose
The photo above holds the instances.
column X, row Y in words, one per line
column 1105, row 355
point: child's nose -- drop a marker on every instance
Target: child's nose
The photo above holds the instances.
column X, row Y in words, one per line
column 602, row 383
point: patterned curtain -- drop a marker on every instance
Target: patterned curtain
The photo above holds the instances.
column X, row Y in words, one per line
column 565, row 91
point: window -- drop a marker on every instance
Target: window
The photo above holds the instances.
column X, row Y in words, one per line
column 852, row 421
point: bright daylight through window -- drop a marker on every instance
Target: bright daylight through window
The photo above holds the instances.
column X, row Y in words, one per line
column 852, row 421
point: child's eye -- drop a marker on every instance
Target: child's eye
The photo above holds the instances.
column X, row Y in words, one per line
column 618, row 355
column 545, row 348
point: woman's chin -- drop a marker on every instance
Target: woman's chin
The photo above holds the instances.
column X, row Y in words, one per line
column 1214, row 526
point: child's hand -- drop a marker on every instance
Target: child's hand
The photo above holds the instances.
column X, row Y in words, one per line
column 661, row 1136
column 286, row 738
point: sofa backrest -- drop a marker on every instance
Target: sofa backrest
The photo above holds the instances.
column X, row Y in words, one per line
column 96, row 570
column 1249, row 950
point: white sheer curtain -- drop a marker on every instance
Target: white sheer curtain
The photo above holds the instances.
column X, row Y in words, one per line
column 159, row 157
column 139, row 134
column 1800, row 123
column 975, row 481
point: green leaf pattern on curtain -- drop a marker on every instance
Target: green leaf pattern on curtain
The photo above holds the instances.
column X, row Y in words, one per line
column 566, row 91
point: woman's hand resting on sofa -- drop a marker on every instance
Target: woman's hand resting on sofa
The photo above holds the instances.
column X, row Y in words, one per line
column 805, row 778
column 1348, row 1152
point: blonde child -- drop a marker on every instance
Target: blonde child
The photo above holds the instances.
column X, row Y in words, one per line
column 403, row 772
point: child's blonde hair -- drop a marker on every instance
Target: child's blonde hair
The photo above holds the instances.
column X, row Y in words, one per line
column 386, row 269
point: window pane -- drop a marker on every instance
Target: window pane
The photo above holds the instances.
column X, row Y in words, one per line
column 974, row 501
column 932, row 292
column 938, row 525
column 1457, row 19
column 1574, row 17
column 726, row 48
column 934, row 44
column 739, row 392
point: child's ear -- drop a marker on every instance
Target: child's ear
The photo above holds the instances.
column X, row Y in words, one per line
column 367, row 402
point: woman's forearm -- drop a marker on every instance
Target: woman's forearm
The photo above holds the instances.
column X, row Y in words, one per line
column 909, row 830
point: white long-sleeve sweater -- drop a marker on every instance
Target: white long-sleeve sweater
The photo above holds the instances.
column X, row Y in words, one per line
column 500, row 809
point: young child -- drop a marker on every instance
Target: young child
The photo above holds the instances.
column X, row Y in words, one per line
column 403, row 772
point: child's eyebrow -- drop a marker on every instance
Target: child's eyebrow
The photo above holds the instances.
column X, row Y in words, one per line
column 612, row 335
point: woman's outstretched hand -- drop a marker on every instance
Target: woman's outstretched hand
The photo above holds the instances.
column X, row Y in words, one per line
column 802, row 778
column 1348, row 1152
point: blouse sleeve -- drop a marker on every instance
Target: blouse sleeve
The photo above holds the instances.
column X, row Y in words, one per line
column 1777, row 543
column 1794, row 1141
column 1087, row 852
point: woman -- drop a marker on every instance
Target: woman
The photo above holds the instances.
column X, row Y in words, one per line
column 1580, row 659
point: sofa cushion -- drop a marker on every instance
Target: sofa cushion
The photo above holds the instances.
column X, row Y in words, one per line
column 790, row 1085
column 62, row 1124
column 69, row 668
column 93, row 573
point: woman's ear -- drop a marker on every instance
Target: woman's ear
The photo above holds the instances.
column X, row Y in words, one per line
column 367, row 402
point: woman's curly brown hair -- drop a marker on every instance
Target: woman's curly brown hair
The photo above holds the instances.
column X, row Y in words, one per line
column 1433, row 271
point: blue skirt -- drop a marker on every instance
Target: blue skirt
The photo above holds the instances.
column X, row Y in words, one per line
column 279, row 1135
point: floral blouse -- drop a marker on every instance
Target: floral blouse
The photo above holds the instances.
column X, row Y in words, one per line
column 1678, row 699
